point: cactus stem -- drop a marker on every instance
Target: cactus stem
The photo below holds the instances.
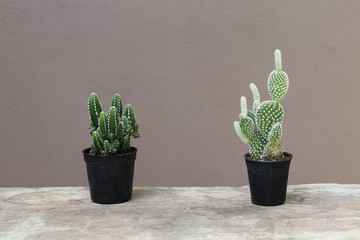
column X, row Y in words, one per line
column 240, row 133
column 243, row 105
column 255, row 92
column 278, row 60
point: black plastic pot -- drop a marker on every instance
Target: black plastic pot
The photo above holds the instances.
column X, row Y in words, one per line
column 110, row 177
column 268, row 180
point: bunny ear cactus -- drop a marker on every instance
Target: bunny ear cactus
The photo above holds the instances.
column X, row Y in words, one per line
column 261, row 128
column 111, row 131
column 278, row 82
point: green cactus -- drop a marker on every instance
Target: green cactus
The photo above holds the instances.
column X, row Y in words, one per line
column 117, row 103
column 261, row 128
column 94, row 109
column 133, row 124
column 111, row 131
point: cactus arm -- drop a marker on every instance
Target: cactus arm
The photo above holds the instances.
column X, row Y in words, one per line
column 278, row 81
column 91, row 129
column 268, row 113
column 125, row 138
column 251, row 114
column 93, row 148
column 278, row 84
column 273, row 148
column 130, row 114
column 97, row 142
column 125, row 124
column 247, row 127
column 107, row 149
column 243, row 105
column 125, row 144
column 115, row 147
column 240, row 133
column 255, row 92
column 257, row 145
column 256, row 96
column 94, row 109
column 113, row 123
column 121, row 129
column 126, row 141
column 98, row 106
column 117, row 103
column 134, row 125
column 278, row 60
column 275, row 133
column 256, row 105
column 136, row 131
column 103, row 125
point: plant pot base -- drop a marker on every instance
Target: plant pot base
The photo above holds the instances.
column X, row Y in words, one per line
column 268, row 180
column 110, row 177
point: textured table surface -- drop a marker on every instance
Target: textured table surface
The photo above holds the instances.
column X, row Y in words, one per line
column 315, row 211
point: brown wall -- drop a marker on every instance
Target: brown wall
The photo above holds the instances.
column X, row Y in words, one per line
column 184, row 66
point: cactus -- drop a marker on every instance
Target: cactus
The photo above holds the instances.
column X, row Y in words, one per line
column 261, row 127
column 111, row 131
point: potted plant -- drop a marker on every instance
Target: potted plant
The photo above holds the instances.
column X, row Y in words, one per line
column 261, row 128
column 110, row 159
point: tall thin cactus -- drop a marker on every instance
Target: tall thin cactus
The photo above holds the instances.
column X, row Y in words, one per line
column 261, row 127
column 111, row 131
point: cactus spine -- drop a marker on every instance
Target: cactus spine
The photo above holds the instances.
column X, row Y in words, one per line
column 111, row 131
column 261, row 127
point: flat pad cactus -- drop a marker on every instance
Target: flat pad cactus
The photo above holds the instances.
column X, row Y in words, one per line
column 247, row 126
column 278, row 82
column 268, row 113
column 257, row 144
column 261, row 128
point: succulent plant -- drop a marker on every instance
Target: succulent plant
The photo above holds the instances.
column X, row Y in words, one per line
column 111, row 131
column 261, row 127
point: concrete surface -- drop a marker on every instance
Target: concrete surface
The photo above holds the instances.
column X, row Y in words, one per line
column 316, row 211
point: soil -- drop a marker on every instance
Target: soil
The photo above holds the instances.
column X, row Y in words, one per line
column 271, row 159
column 91, row 153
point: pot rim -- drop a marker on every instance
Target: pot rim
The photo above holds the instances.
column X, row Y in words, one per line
column 288, row 157
column 87, row 150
